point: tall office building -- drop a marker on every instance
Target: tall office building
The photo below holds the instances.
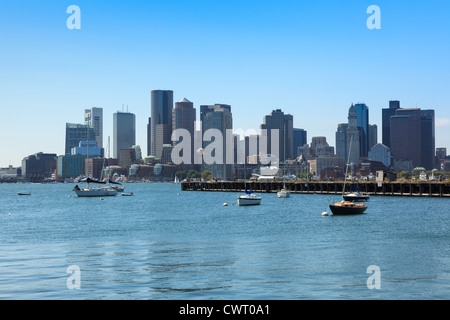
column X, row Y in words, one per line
column 277, row 120
column 353, row 138
column 161, row 120
column 300, row 138
column 94, row 118
column 218, row 117
column 341, row 141
column 184, row 117
column 76, row 133
column 362, row 116
column 412, row 137
column 373, row 135
column 387, row 113
column 124, row 131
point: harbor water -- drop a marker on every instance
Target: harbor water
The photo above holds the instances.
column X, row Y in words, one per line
column 163, row 243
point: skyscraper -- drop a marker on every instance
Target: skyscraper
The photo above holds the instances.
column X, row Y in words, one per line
column 362, row 116
column 341, row 141
column 387, row 113
column 94, row 118
column 184, row 117
column 373, row 135
column 124, row 131
column 218, row 117
column 75, row 133
column 161, row 120
column 412, row 136
column 277, row 120
column 300, row 138
column 353, row 138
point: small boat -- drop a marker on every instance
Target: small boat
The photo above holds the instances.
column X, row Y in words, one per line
column 283, row 193
column 24, row 193
column 347, row 207
column 128, row 194
column 248, row 199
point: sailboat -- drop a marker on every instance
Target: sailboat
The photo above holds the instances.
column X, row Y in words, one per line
column 248, row 199
column 284, row 193
column 347, row 207
column 177, row 181
column 93, row 192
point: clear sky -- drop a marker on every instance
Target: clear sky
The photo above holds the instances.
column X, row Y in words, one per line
column 311, row 59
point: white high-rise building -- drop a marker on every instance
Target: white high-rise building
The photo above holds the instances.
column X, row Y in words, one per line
column 94, row 118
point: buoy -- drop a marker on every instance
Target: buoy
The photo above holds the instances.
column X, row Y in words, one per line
column 225, row 204
column 9, row 215
column 324, row 213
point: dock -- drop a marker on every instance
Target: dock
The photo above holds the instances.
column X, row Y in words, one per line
column 395, row 188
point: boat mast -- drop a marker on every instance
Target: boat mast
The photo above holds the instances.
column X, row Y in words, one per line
column 346, row 165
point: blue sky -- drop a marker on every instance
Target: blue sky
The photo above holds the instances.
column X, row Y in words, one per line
column 311, row 59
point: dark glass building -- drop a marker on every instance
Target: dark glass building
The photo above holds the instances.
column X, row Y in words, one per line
column 387, row 113
column 412, row 136
column 161, row 120
column 124, row 132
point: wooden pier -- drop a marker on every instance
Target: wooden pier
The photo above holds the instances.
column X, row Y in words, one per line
column 396, row 188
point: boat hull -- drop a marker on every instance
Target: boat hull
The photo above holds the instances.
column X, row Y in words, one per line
column 248, row 201
column 90, row 193
column 339, row 209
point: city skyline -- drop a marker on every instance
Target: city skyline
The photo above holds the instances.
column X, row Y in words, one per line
column 311, row 61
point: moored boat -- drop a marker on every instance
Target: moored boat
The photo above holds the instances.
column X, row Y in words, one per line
column 347, row 208
column 248, row 199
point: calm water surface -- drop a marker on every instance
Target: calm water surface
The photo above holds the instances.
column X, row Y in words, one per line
column 160, row 245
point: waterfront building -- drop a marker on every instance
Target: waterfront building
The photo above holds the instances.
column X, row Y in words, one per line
column 39, row 166
column 380, row 153
column 75, row 133
column 124, row 131
column 71, row 166
column 94, row 118
column 161, row 120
